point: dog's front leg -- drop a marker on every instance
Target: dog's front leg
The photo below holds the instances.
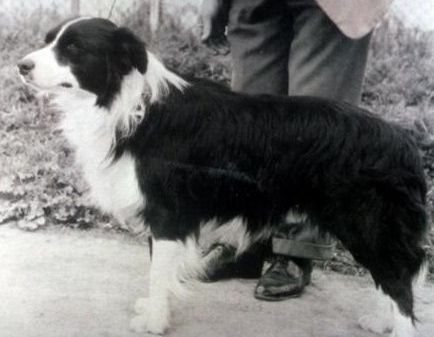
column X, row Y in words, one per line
column 155, row 319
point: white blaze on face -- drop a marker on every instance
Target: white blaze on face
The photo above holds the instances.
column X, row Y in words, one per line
column 48, row 73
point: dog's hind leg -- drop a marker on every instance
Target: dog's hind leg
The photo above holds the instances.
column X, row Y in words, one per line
column 396, row 283
column 388, row 318
column 404, row 325
column 395, row 273
column 386, row 315
column 386, row 236
column 379, row 320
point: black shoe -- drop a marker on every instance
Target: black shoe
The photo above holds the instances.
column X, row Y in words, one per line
column 285, row 278
column 221, row 264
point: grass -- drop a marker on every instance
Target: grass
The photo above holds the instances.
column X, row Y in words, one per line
column 40, row 186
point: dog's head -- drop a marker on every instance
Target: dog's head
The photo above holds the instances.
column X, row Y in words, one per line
column 89, row 54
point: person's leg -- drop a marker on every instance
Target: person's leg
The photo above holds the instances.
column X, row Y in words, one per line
column 259, row 36
column 323, row 61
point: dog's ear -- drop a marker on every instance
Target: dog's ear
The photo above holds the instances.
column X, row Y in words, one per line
column 129, row 51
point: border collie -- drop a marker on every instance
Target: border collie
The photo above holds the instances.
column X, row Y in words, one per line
column 191, row 159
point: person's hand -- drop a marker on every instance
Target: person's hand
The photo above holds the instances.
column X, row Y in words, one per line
column 214, row 15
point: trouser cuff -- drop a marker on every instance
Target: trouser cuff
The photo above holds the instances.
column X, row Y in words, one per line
column 307, row 250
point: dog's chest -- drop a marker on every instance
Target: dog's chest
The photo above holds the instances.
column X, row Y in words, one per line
column 114, row 185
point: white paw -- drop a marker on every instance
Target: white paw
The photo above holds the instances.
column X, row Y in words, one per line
column 141, row 306
column 401, row 333
column 157, row 326
column 143, row 323
column 376, row 323
column 139, row 323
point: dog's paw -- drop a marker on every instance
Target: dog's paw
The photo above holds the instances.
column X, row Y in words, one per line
column 142, row 323
column 157, row 326
column 376, row 324
column 141, row 306
column 139, row 323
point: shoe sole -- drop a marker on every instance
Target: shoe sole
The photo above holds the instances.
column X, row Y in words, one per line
column 276, row 298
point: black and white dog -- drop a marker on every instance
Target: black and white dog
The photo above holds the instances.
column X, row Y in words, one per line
column 191, row 158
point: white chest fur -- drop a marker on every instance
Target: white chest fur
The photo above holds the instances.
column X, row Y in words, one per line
column 113, row 185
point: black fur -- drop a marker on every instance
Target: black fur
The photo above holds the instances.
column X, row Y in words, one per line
column 208, row 153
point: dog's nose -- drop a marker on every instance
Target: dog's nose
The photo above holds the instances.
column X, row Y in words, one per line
column 25, row 66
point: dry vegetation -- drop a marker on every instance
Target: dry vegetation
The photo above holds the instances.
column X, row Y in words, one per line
column 39, row 186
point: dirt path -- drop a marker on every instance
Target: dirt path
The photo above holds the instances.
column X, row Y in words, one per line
column 69, row 283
